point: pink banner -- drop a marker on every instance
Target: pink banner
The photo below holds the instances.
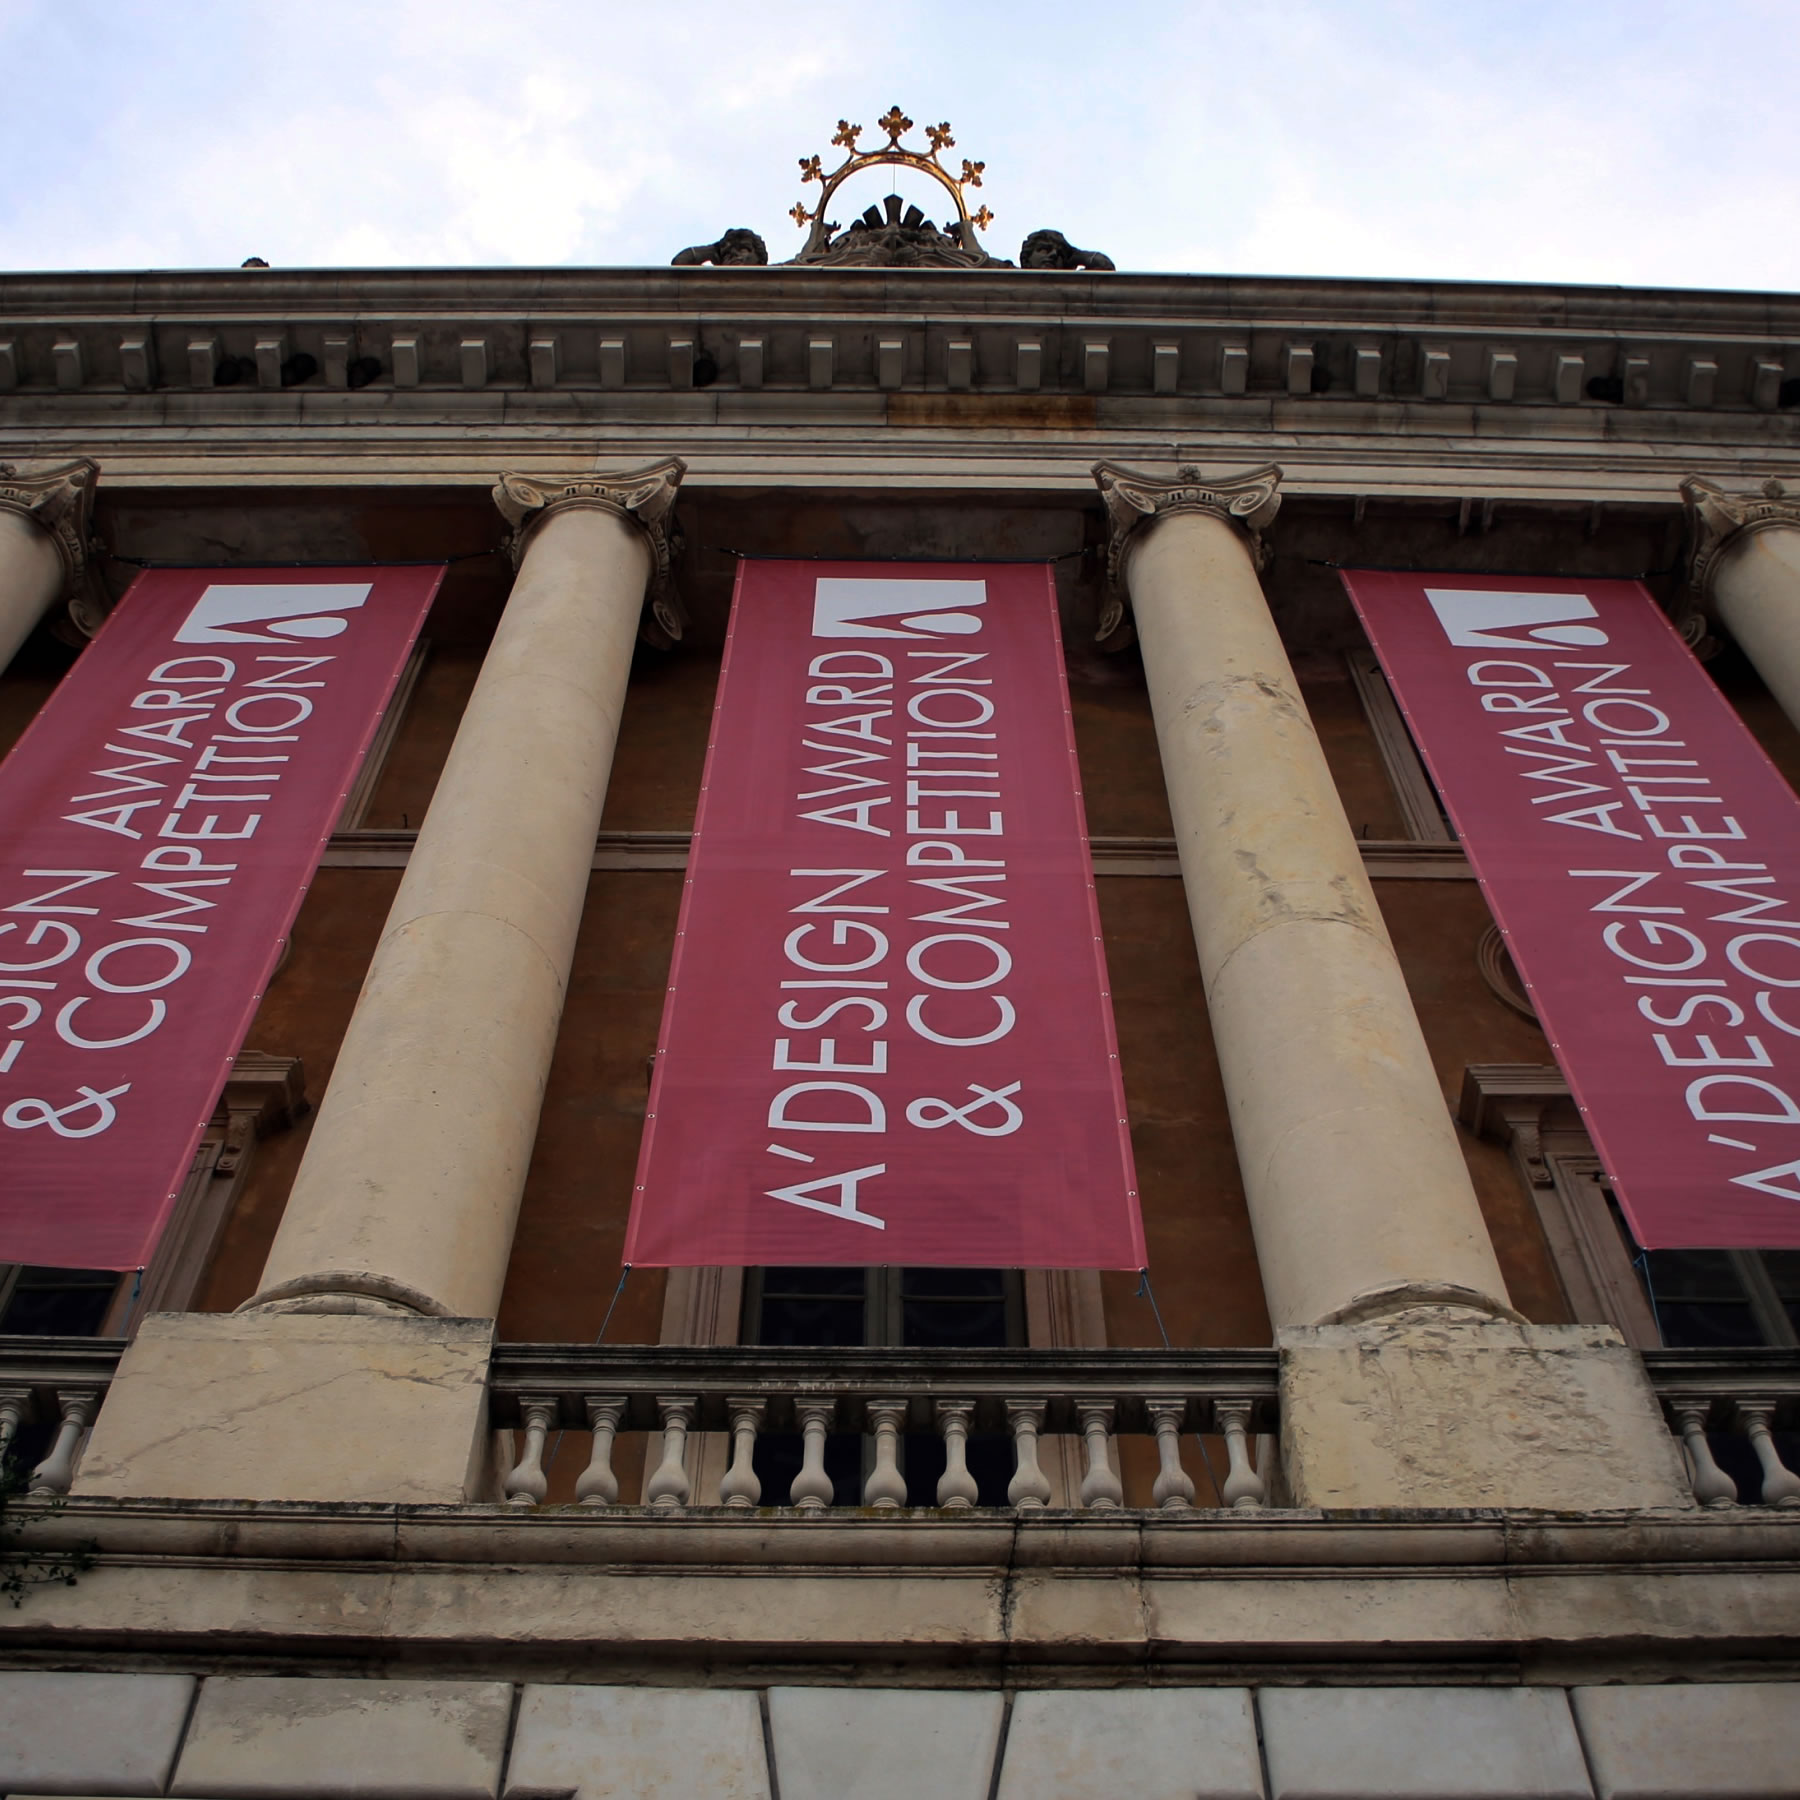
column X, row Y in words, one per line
column 159, row 823
column 888, row 1037
column 1641, row 856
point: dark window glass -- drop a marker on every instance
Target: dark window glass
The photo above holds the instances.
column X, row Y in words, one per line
column 954, row 1309
column 1696, row 1296
column 1784, row 1272
column 58, row 1302
column 819, row 1307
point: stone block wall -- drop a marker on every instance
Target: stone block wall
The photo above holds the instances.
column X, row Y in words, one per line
column 327, row 1738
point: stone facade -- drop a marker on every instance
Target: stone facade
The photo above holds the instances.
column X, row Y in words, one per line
column 1415, row 1505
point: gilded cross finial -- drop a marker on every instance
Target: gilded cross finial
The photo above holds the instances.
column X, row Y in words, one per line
column 896, row 125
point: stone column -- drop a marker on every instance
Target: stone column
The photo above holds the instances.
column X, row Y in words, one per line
column 1407, row 1379
column 1358, row 1193
column 411, row 1181
column 45, row 521
column 403, row 1209
column 1745, row 552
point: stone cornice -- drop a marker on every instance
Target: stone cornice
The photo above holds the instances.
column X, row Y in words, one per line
column 1250, row 501
column 645, row 497
column 60, row 500
column 1717, row 520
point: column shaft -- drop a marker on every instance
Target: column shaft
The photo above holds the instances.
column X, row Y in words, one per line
column 1756, row 589
column 1358, row 1194
column 411, row 1182
column 44, row 523
column 31, row 577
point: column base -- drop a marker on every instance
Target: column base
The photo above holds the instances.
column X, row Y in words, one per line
column 1438, row 1409
column 294, row 1406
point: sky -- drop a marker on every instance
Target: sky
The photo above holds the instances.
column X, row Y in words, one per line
column 1588, row 141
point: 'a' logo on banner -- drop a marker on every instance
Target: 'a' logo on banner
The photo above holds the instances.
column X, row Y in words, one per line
column 1479, row 619
column 286, row 610
column 855, row 607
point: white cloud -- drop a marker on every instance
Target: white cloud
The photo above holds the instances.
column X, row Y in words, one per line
column 1604, row 141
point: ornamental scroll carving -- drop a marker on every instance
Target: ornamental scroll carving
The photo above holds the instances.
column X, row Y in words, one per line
column 1249, row 501
column 644, row 496
column 60, row 501
column 1717, row 519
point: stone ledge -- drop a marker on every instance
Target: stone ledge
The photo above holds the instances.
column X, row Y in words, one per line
column 417, row 1589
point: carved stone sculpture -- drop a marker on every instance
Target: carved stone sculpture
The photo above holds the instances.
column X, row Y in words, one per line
column 739, row 248
column 891, row 238
column 1051, row 250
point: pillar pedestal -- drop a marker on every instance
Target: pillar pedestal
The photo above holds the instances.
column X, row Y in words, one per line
column 1407, row 1377
column 401, row 1217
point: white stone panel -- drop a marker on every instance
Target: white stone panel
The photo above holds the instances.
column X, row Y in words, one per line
column 620, row 1743
column 274, row 1738
column 883, row 1743
column 1421, row 1744
column 1728, row 1740
column 1153, row 1744
column 90, row 1734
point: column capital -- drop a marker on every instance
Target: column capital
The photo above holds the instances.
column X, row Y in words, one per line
column 1249, row 501
column 1717, row 520
column 646, row 497
column 60, row 501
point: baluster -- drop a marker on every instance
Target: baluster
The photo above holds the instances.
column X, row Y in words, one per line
column 669, row 1486
column 527, row 1484
column 15, row 1408
column 956, row 1487
column 1100, row 1487
column 1712, row 1486
column 812, row 1490
column 1029, row 1487
column 1780, row 1485
column 886, row 1486
column 1243, row 1487
column 740, row 1485
column 598, row 1485
column 57, row 1470
column 1174, row 1488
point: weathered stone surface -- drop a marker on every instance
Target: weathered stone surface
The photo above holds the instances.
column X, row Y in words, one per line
column 294, row 1406
column 1157, row 1744
column 272, row 1738
column 1421, row 1744
column 1432, row 1410
column 883, row 1743
column 625, row 1743
column 1728, row 1740
column 90, row 1734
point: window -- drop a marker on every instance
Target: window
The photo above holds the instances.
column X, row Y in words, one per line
column 925, row 1309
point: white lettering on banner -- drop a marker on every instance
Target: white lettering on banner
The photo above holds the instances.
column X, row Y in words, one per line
column 860, row 707
column 1581, row 732
column 114, row 976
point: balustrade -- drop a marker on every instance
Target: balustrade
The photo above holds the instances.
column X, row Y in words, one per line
column 1728, row 1408
column 1734, row 1413
column 50, row 1390
column 894, row 1402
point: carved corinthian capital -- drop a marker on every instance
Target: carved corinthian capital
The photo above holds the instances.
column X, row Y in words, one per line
column 60, row 501
column 646, row 497
column 1250, row 501
column 1717, row 520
